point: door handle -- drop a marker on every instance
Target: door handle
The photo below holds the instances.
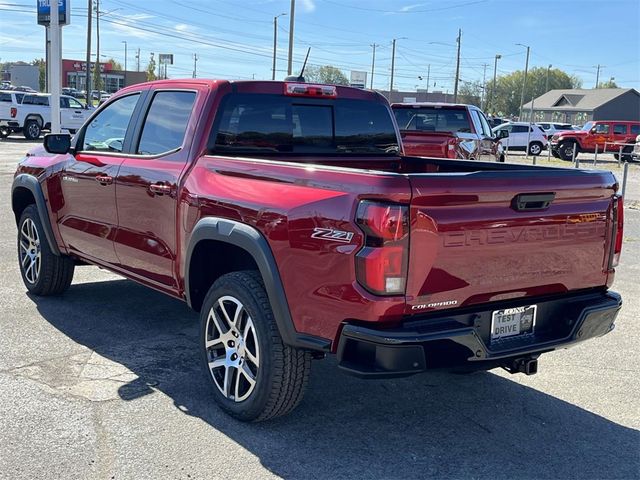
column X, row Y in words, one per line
column 160, row 189
column 532, row 201
column 104, row 179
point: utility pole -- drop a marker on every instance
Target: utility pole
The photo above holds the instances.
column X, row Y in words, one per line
column 195, row 65
column 88, row 77
column 484, row 87
column 373, row 62
column 493, row 90
column 138, row 60
column 275, row 44
column 524, row 80
column 428, row 75
column 598, row 67
column 125, row 62
column 455, row 85
column 546, row 85
column 292, row 14
column 393, row 66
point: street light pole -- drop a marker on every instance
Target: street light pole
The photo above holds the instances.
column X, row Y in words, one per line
column 393, row 66
column 493, row 90
column 292, row 15
column 524, row 80
column 125, row 62
column 88, row 76
column 275, row 44
column 598, row 67
column 484, row 88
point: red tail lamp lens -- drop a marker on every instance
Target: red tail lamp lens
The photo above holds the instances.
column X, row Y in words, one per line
column 386, row 222
column 619, row 230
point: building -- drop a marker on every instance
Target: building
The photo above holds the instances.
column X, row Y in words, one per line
column 74, row 76
column 578, row 106
column 21, row 74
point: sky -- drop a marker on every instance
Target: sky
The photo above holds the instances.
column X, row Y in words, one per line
column 234, row 39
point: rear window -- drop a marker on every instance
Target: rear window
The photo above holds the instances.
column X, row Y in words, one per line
column 35, row 100
column 620, row 129
column 635, row 129
column 432, row 119
column 260, row 123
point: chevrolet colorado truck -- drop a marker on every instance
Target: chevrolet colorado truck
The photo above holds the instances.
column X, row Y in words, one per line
column 598, row 134
column 288, row 216
column 443, row 130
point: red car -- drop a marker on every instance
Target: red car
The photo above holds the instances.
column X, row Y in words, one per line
column 287, row 215
column 443, row 130
column 615, row 134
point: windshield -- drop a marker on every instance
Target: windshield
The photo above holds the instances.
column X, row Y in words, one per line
column 587, row 126
column 433, row 119
column 261, row 123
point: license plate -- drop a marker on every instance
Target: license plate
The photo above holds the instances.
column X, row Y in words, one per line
column 513, row 321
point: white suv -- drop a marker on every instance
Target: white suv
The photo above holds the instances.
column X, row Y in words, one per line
column 519, row 132
column 551, row 128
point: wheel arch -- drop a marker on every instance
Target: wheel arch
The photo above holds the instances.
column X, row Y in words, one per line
column 34, row 116
column 26, row 190
column 241, row 247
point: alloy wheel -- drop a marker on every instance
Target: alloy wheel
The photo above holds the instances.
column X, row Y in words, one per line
column 232, row 348
column 30, row 255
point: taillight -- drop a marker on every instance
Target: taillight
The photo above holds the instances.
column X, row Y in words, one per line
column 618, row 230
column 381, row 265
column 308, row 90
column 14, row 112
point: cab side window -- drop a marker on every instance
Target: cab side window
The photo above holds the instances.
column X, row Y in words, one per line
column 107, row 130
column 619, row 129
column 166, row 122
column 602, row 128
column 635, row 129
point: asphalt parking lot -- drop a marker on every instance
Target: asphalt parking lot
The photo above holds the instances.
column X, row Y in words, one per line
column 104, row 382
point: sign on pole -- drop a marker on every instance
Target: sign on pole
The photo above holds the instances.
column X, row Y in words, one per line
column 358, row 79
column 44, row 12
column 166, row 58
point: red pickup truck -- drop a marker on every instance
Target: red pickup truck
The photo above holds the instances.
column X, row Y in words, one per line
column 615, row 135
column 287, row 215
column 445, row 130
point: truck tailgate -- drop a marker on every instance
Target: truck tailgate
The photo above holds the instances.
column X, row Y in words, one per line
column 487, row 236
column 426, row 144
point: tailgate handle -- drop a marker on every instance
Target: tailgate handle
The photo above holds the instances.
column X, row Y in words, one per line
column 532, row 201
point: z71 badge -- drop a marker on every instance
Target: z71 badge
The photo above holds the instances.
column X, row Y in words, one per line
column 333, row 235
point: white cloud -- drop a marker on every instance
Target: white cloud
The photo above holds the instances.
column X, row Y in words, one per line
column 308, row 5
column 408, row 8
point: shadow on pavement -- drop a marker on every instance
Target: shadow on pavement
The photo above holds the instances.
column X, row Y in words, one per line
column 436, row 424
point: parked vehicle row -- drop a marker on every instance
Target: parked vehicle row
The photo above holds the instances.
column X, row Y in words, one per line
column 522, row 136
column 283, row 212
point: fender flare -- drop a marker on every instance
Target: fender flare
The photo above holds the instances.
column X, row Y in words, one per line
column 254, row 243
column 31, row 183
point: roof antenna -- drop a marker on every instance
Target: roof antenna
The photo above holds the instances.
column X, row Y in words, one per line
column 299, row 78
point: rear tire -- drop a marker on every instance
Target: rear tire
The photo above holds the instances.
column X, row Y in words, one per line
column 43, row 272
column 31, row 130
column 254, row 375
column 535, row 148
column 4, row 132
column 626, row 154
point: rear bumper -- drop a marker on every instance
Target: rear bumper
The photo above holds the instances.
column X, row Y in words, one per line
column 461, row 337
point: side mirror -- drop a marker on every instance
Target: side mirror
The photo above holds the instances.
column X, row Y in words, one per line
column 59, row 143
column 500, row 134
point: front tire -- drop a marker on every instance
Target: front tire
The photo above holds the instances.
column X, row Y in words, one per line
column 565, row 150
column 43, row 272
column 254, row 375
column 535, row 148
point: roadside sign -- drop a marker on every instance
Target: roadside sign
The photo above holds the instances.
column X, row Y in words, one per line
column 358, row 79
column 44, row 12
column 166, row 58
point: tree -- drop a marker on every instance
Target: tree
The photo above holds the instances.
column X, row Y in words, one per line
column 151, row 69
column 325, row 74
column 470, row 93
column 42, row 73
column 608, row 84
column 115, row 65
column 506, row 100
